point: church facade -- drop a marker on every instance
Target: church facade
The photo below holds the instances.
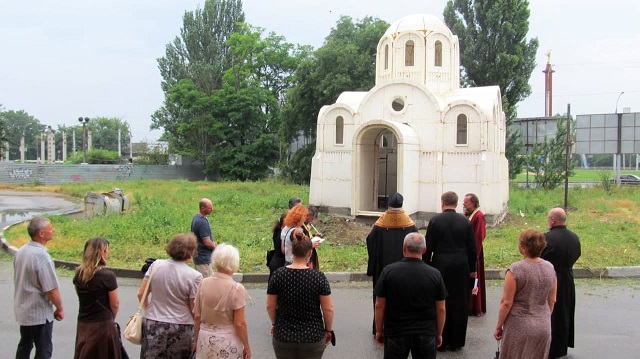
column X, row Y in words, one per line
column 416, row 132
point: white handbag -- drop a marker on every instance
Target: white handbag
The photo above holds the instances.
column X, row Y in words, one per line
column 133, row 330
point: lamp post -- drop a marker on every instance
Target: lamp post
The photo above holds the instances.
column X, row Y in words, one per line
column 84, row 121
column 617, row 163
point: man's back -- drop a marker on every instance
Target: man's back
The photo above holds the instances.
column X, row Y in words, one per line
column 563, row 248
column 411, row 289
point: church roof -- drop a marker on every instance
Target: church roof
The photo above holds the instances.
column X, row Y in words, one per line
column 419, row 22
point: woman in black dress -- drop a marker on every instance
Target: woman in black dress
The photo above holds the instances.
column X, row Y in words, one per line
column 97, row 289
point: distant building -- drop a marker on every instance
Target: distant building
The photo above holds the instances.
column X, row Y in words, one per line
column 416, row 132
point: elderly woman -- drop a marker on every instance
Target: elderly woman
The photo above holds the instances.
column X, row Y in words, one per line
column 299, row 305
column 168, row 328
column 97, row 289
column 524, row 317
column 220, row 326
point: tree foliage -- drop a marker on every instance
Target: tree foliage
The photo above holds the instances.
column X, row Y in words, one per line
column 200, row 55
column 19, row 123
column 547, row 159
column 345, row 62
column 494, row 51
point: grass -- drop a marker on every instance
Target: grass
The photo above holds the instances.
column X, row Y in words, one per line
column 607, row 223
column 579, row 175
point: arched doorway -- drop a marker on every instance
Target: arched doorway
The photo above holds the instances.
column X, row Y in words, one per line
column 376, row 168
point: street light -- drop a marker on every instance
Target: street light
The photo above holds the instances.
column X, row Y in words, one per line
column 84, row 121
column 617, row 163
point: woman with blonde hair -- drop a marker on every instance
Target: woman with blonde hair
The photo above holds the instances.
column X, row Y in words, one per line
column 524, row 317
column 167, row 331
column 220, row 325
column 97, row 289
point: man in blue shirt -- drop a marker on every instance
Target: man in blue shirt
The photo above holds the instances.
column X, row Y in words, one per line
column 410, row 304
column 202, row 229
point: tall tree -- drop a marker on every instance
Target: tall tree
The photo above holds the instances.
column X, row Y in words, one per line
column 3, row 133
column 201, row 55
column 345, row 62
column 494, row 51
column 18, row 124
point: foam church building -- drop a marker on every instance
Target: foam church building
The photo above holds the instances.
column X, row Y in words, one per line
column 416, row 132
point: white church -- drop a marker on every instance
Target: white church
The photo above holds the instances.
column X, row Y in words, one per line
column 416, row 132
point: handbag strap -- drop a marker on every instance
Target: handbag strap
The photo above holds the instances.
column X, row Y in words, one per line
column 146, row 288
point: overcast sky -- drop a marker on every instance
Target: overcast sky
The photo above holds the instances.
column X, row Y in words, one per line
column 63, row 59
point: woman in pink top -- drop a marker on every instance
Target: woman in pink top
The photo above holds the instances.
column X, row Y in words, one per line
column 220, row 326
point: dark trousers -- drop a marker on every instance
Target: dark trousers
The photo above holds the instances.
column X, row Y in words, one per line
column 420, row 346
column 40, row 335
column 298, row 350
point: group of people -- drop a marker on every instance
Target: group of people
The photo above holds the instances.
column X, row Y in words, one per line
column 426, row 313
column 424, row 289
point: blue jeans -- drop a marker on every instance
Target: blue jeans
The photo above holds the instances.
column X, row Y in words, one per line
column 420, row 346
column 41, row 335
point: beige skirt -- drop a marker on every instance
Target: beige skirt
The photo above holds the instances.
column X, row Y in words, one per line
column 216, row 341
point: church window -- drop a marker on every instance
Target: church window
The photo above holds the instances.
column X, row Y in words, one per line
column 461, row 130
column 408, row 53
column 386, row 57
column 438, row 54
column 339, row 130
column 397, row 104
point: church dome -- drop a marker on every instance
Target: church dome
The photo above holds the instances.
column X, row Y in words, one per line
column 419, row 22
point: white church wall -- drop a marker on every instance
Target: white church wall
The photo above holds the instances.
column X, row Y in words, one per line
column 414, row 72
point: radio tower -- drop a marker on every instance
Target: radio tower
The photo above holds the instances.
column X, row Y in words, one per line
column 548, row 87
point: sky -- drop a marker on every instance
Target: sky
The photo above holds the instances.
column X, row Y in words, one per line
column 60, row 60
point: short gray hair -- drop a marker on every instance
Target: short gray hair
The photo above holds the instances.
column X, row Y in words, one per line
column 415, row 243
column 226, row 257
column 36, row 225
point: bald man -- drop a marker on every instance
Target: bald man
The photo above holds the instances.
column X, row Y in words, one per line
column 563, row 250
column 202, row 229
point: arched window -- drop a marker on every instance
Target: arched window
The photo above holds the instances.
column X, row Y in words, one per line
column 461, row 130
column 438, row 54
column 386, row 57
column 408, row 53
column 339, row 130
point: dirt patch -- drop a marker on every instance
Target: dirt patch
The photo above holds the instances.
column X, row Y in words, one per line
column 343, row 231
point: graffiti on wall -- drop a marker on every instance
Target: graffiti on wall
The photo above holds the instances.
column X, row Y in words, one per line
column 20, row 174
column 126, row 170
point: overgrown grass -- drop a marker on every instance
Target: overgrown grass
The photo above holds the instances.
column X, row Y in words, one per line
column 608, row 224
column 580, row 175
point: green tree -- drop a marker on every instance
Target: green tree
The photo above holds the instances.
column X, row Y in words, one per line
column 247, row 108
column 547, row 159
column 494, row 51
column 345, row 62
column 3, row 133
column 19, row 123
column 201, row 55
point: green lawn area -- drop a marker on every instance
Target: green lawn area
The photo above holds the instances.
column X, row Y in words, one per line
column 581, row 175
column 608, row 223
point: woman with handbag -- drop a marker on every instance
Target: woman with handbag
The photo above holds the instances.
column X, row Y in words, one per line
column 220, row 325
column 97, row 289
column 524, row 316
column 168, row 328
column 299, row 306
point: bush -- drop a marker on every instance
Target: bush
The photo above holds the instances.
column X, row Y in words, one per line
column 96, row 156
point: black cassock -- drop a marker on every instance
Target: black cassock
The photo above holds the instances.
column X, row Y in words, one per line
column 451, row 249
column 384, row 243
column 563, row 250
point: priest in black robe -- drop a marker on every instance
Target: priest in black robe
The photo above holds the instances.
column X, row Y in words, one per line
column 384, row 242
column 563, row 250
column 451, row 249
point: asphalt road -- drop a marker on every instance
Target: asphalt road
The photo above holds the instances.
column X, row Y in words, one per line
column 606, row 324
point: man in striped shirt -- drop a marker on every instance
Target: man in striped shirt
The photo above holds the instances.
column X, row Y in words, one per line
column 36, row 291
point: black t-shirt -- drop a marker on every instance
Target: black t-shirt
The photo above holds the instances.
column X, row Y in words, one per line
column 411, row 289
column 94, row 297
column 298, row 314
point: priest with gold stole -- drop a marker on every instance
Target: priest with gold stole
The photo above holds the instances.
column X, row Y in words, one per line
column 384, row 242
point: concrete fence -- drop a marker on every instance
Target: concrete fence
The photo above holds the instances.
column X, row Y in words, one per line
column 51, row 174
